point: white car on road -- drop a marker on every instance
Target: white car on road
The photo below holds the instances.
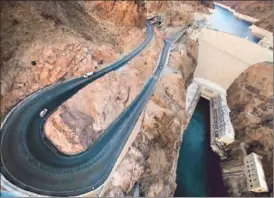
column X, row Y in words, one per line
column 88, row 74
column 43, row 113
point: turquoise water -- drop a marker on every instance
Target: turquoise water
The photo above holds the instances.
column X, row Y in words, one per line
column 198, row 170
column 223, row 20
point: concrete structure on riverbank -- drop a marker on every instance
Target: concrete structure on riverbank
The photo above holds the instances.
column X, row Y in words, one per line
column 265, row 36
column 221, row 129
column 254, row 172
column 223, row 57
column 260, row 32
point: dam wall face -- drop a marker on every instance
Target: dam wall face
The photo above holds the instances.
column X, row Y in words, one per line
column 223, row 57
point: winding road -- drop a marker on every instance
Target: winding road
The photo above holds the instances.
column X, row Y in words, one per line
column 32, row 163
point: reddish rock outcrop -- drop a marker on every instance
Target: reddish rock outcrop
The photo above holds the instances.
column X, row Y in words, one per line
column 250, row 100
column 129, row 13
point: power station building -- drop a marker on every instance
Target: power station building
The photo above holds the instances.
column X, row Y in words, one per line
column 254, row 172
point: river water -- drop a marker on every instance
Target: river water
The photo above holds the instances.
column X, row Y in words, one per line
column 198, row 170
column 224, row 20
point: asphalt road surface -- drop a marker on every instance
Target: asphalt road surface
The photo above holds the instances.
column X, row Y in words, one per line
column 32, row 163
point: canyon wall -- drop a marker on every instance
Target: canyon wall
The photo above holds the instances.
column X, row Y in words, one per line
column 250, row 99
column 46, row 42
column 128, row 13
column 175, row 13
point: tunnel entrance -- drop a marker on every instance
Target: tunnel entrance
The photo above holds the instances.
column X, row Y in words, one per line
column 198, row 169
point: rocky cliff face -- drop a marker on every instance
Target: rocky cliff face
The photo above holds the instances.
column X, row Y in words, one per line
column 46, row 42
column 250, row 100
column 175, row 13
column 262, row 10
column 129, row 13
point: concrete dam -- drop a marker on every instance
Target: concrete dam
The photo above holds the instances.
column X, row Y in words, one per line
column 225, row 51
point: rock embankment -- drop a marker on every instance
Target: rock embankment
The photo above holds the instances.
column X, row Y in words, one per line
column 250, row 101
